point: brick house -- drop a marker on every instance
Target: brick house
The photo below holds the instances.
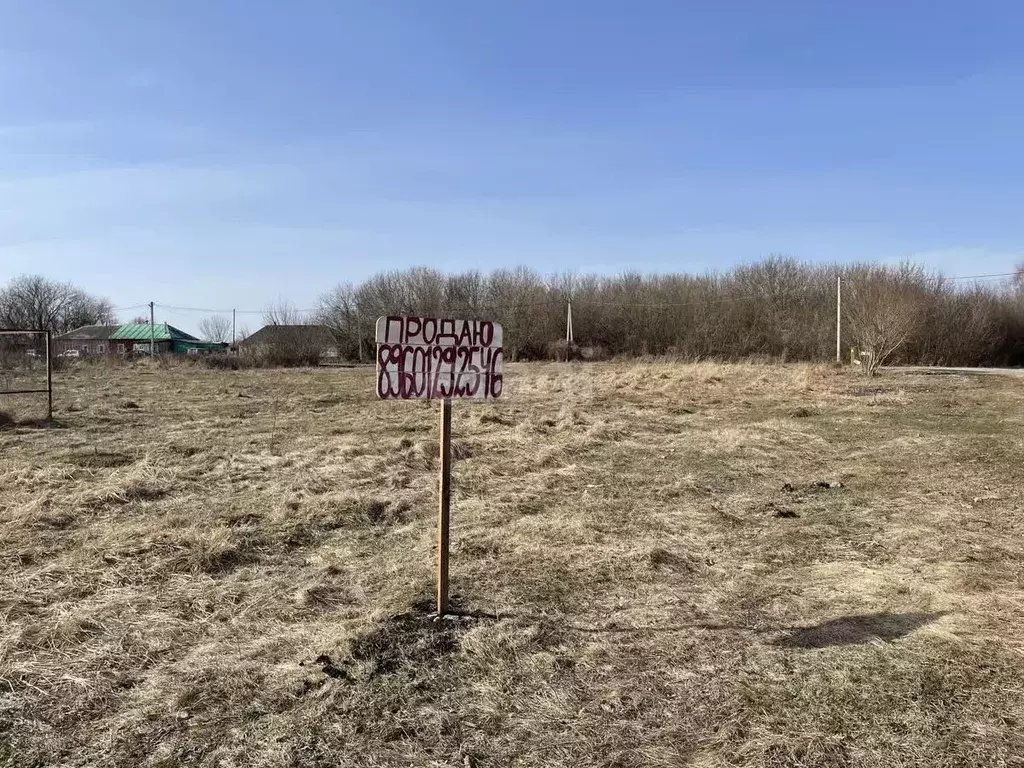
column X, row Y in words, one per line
column 87, row 340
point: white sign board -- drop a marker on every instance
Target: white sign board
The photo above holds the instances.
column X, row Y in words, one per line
column 426, row 358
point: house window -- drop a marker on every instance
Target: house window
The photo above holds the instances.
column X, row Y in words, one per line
column 99, row 348
column 120, row 349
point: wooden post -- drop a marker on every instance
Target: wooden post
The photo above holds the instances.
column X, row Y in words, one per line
column 569, row 340
column 49, row 379
column 444, row 506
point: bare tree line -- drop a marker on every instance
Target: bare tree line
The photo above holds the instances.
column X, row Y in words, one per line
column 779, row 308
column 32, row 302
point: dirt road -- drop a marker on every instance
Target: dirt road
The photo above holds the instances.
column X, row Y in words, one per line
column 948, row 369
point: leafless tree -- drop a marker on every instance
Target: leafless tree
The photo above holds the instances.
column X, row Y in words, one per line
column 465, row 293
column 143, row 319
column 34, row 302
column 884, row 309
column 281, row 312
column 531, row 312
column 339, row 311
column 243, row 333
column 215, row 328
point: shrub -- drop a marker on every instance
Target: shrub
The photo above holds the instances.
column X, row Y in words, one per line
column 590, row 353
column 224, row 362
column 284, row 356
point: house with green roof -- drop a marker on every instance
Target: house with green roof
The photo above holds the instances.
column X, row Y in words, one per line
column 133, row 338
column 167, row 339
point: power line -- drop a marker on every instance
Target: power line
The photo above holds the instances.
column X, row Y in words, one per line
column 978, row 277
column 760, row 297
column 212, row 311
column 225, row 311
column 583, row 302
column 701, row 302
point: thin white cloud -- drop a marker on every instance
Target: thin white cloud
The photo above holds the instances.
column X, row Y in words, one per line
column 38, row 134
column 92, row 201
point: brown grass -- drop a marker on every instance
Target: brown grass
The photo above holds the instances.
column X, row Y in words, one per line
column 660, row 565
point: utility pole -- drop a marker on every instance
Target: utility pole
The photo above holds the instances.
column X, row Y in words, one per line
column 568, row 333
column 152, row 331
column 232, row 327
column 839, row 318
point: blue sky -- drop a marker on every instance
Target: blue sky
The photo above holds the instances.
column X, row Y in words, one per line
column 218, row 154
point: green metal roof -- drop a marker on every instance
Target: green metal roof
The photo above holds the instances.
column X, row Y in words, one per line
column 159, row 332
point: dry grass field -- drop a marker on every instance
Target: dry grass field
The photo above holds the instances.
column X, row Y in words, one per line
column 659, row 565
